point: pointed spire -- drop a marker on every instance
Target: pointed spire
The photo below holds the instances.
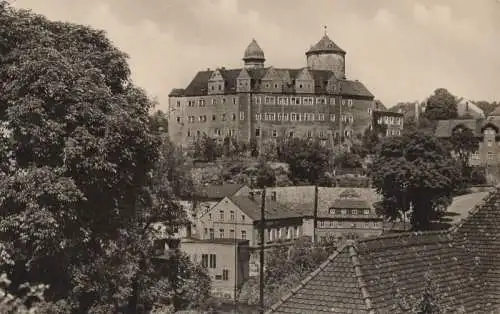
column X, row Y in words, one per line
column 326, row 33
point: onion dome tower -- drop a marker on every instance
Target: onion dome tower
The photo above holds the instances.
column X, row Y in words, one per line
column 254, row 56
column 326, row 55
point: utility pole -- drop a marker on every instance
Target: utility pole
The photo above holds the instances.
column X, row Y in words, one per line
column 262, row 228
column 315, row 214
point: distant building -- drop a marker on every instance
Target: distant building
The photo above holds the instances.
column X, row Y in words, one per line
column 487, row 132
column 467, row 107
column 388, row 122
column 260, row 102
column 226, row 260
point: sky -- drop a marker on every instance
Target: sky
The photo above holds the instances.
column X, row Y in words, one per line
column 402, row 50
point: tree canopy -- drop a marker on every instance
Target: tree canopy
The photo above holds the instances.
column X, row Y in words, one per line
column 415, row 171
column 76, row 177
column 308, row 160
column 441, row 105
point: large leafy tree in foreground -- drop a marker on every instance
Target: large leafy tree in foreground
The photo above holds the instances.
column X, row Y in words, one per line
column 76, row 179
column 415, row 171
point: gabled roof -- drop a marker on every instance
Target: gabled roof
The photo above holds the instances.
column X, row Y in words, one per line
column 273, row 210
column 218, row 192
column 351, row 203
column 199, row 85
column 382, row 275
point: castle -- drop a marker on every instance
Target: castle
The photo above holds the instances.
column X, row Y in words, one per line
column 259, row 102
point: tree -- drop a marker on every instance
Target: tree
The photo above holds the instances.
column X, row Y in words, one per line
column 348, row 160
column 308, row 160
column 464, row 143
column 76, row 182
column 159, row 122
column 487, row 106
column 441, row 106
column 415, row 171
column 208, row 148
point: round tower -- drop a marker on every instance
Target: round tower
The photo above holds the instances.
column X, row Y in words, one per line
column 326, row 55
column 254, row 56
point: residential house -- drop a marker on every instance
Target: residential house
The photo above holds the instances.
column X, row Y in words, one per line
column 226, row 261
column 239, row 216
column 342, row 212
column 390, row 273
column 387, row 123
column 487, row 132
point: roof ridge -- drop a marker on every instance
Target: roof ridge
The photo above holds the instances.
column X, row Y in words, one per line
column 400, row 235
column 474, row 210
column 359, row 276
column 304, row 281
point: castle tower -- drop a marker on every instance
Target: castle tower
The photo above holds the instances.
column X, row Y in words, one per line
column 326, row 55
column 254, row 56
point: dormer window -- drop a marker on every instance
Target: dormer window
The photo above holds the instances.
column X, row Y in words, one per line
column 275, row 85
column 300, row 85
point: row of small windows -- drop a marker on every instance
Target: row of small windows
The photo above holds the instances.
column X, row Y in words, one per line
column 345, row 212
column 300, row 117
column 295, row 100
column 217, row 133
column 275, row 234
column 203, row 118
column 201, row 102
column 221, row 217
column 390, row 120
column 321, row 134
column 393, row 132
column 210, row 234
column 273, row 100
column 346, row 224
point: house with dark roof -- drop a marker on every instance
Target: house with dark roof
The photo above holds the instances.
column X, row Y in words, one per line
column 259, row 102
column 460, row 268
column 487, row 132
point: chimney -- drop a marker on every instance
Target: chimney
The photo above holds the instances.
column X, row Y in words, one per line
column 208, row 69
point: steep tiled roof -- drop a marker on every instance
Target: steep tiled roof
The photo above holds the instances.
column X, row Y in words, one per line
column 273, row 210
column 199, row 85
column 351, row 203
column 176, row 92
column 325, row 44
column 463, row 263
column 218, row 192
column 333, row 288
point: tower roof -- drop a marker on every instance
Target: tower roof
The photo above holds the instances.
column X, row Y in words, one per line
column 254, row 52
column 325, row 44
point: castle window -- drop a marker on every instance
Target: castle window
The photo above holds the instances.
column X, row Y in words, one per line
column 321, row 134
column 242, row 115
column 257, row 132
column 212, row 87
column 275, row 133
column 214, row 101
column 309, row 133
column 214, row 117
column 275, row 85
column 258, row 100
column 191, row 119
column 234, row 101
column 189, row 133
column 230, row 132
column 285, row 117
column 369, row 110
column 233, row 116
column 272, row 116
column 332, row 117
column 223, row 117
column 321, row 117
column 220, row 87
column 178, row 119
column 291, row 134
column 258, row 116
column 178, row 103
column 201, row 102
column 293, row 116
column 332, row 101
column 280, row 116
column 218, row 132
column 267, row 85
column 349, row 103
column 490, row 155
column 198, row 133
column 300, row 85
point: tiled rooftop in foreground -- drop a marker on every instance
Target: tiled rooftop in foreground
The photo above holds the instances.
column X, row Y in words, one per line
column 382, row 275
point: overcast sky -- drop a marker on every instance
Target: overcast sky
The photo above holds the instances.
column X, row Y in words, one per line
column 400, row 49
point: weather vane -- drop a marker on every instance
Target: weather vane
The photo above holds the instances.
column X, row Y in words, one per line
column 325, row 27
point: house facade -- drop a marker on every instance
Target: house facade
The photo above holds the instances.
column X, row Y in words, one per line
column 387, row 122
column 486, row 131
column 258, row 102
column 226, row 260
